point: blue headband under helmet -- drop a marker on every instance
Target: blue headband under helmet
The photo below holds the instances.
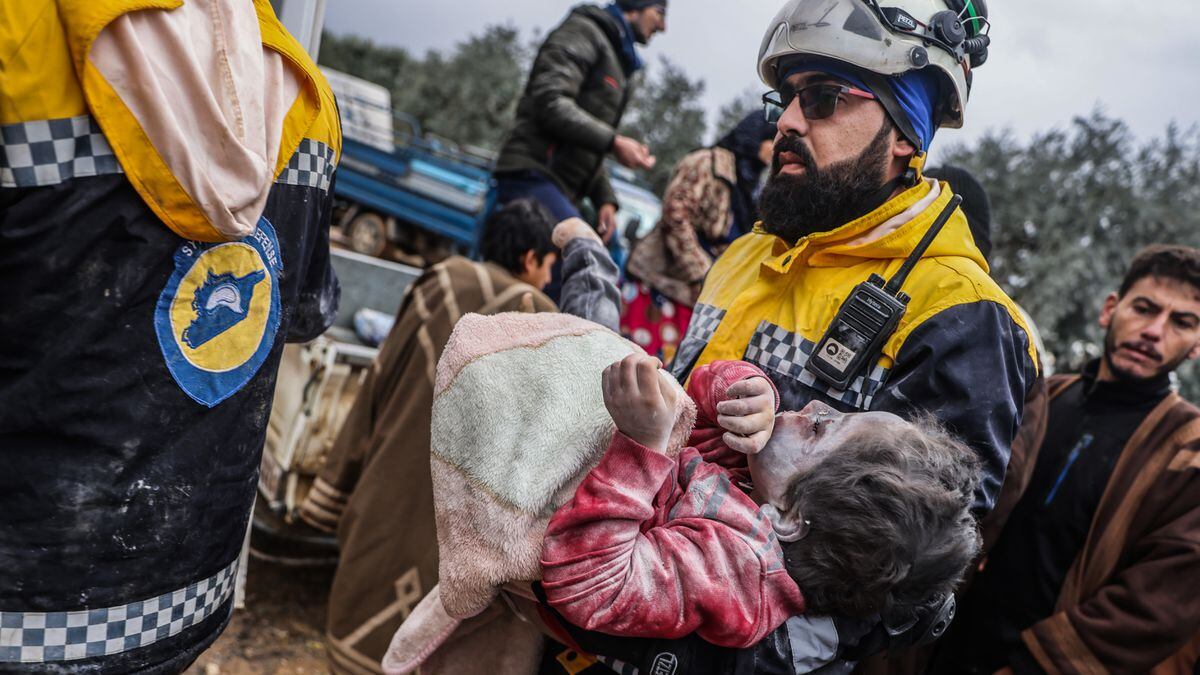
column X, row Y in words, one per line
column 910, row 99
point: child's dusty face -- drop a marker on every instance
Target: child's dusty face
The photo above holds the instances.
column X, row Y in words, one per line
column 802, row 439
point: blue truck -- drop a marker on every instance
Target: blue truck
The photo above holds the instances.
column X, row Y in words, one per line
column 417, row 198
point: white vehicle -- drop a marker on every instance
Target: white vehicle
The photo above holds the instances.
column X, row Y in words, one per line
column 317, row 383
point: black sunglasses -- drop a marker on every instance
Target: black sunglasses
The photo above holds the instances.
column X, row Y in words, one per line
column 817, row 101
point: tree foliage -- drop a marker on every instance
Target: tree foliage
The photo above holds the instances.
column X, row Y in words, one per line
column 735, row 110
column 468, row 95
column 665, row 113
column 386, row 66
column 1071, row 207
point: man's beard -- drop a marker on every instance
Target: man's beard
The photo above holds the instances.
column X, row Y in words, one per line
column 1124, row 375
column 638, row 36
column 820, row 200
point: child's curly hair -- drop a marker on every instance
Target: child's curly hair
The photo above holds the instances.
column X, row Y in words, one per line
column 889, row 521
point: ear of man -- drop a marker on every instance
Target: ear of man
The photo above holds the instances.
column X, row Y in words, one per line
column 902, row 148
column 1106, row 312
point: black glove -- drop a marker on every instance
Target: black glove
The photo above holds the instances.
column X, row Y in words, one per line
column 903, row 627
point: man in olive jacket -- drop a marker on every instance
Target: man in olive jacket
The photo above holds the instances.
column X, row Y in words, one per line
column 573, row 102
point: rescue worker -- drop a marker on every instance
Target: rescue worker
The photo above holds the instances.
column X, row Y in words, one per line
column 846, row 199
column 165, row 192
column 860, row 91
column 1095, row 569
column 567, row 118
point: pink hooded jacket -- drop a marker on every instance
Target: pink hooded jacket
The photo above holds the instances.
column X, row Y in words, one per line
column 659, row 546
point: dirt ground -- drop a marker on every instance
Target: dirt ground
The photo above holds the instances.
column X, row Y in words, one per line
column 279, row 631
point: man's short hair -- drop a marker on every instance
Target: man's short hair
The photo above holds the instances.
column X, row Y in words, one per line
column 513, row 230
column 890, row 521
column 1164, row 261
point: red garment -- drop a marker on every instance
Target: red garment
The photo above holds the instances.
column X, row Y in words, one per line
column 652, row 546
column 652, row 320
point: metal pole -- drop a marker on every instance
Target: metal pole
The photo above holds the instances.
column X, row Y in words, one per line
column 304, row 19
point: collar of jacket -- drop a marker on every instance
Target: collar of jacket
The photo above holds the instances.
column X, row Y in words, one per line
column 724, row 164
column 1124, row 393
column 626, row 46
column 608, row 24
column 836, row 248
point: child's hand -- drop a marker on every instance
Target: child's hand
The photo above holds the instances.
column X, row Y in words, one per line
column 748, row 414
column 573, row 228
column 641, row 404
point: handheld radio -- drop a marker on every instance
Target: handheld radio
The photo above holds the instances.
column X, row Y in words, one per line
column 868, row 317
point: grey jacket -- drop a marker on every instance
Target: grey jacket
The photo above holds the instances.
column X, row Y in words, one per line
column 573, row 102
column 589, row 287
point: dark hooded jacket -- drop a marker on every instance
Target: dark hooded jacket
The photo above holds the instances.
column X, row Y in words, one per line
column 572, row 104
column 744, row 141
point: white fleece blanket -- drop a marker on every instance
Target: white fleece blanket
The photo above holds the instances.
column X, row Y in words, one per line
column 518, row 421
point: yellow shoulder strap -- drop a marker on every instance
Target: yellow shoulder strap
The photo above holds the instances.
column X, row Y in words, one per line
column 312, row 112
column 83, row 21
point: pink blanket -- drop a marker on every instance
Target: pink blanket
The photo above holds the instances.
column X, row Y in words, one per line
column 518, row 421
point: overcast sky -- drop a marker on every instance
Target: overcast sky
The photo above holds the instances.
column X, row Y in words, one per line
column 1049, row 61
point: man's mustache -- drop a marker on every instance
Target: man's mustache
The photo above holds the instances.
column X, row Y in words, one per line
column 792, row 144
column 1144, row 348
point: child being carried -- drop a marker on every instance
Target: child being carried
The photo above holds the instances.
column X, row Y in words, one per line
column 842, row 513
column 538, row 473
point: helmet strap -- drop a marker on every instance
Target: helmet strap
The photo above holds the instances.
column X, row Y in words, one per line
column 884, row 193
column 911, row 176
column 916, row 169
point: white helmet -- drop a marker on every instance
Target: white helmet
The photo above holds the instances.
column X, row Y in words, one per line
column 950, row 35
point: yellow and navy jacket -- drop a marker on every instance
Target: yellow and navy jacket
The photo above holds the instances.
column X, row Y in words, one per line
column 138, row 352
column 961, row 352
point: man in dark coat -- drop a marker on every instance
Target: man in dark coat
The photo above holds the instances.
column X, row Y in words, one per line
column 1096, row 568
column 567, row 118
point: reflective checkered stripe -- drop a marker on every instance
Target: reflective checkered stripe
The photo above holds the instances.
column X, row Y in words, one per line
column 617, row 666
column 49, row 152
column 41, row 637
column 705, row 320
column 311, row 165
column 781, row 352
